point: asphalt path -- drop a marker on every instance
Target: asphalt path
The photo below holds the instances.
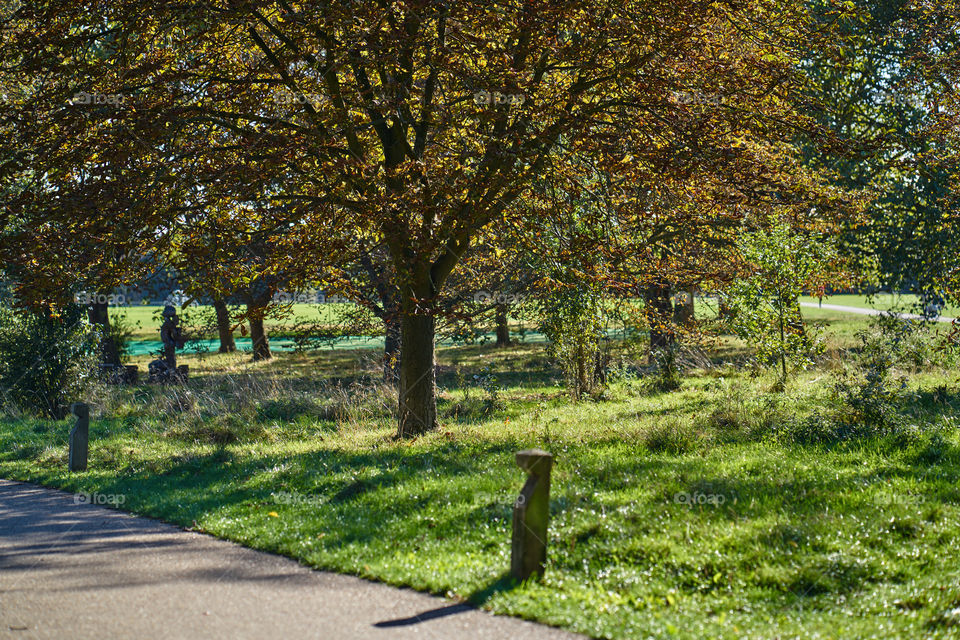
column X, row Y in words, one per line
column 70, row 570
column 868, row 312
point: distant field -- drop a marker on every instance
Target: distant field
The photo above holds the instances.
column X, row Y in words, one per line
column 145, row 319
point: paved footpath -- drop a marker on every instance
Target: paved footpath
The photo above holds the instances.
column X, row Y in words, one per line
column 82, row 571
column 868, row 312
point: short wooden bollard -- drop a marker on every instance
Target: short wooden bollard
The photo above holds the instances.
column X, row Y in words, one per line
column 531, row 513
column 79, row 437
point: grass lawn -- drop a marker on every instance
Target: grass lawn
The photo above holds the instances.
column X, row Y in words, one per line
column 145, row 322
column 698, row 513
column 145, row 319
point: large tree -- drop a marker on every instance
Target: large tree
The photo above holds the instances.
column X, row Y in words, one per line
column 416, row 124
column 934, row 64
column 879, row 95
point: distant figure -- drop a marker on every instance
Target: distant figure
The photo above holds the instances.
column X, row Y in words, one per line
column 933, row 306
column 172, row 337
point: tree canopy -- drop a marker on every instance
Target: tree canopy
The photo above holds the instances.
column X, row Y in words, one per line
column 419, row 126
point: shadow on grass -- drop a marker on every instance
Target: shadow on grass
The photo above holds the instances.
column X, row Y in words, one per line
column 503, row 583
column 440, row 497
column 937, row 399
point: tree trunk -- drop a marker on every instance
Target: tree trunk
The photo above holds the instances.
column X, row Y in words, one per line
column 660, row 312
column 684, row 309
column 581, row 381
column 783, row 348
column 258, row 335
column 98, row 314
column 227, row 345
column 418, row 383
column 600, row 361
column 391, row 349
column 503, row 328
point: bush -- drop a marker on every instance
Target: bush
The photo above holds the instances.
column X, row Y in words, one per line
column 871, row 394
column 915, row 342
column 197, row 324
column 46, row 357
column 671, row 436
column 574, row 323
column 477, row 408
column 121, row 332
column 765, row 299
column 667, row 371
column 667, row 367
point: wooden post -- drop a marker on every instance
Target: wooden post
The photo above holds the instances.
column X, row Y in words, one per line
column 531, row 513
column 79, row 437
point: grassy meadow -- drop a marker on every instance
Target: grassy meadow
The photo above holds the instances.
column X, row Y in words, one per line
column 717, row 510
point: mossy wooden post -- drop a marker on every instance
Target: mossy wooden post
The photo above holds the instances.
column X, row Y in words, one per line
column 79, row 437
column 531, row 513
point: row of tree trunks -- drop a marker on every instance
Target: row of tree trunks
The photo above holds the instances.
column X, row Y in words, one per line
column 411, row 334
column 227, row 345
column 660, row 316
column 503, row 327
column 98, row 314
column 417, row 377
column 258, row 334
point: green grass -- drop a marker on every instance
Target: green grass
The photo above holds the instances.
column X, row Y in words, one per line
column 144, row 319
column 146, row 326
column 852, row 540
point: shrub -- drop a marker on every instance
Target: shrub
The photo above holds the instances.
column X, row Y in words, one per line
column 121, row 332
column 46, row 357
column 198, row 326
column 476, row 408
column 781, row 264
column 667, row 376
column 871, row 395
column 915, row 342
column 573, row 322
column 671, row 437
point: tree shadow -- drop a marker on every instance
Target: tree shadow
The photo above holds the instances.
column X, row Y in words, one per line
column 501, row 584
column 425, row 616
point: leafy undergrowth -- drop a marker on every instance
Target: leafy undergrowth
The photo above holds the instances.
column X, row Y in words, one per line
column 694, row 514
